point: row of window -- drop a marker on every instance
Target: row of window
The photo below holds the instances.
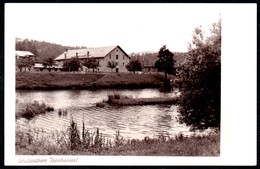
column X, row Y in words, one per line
column 116, row 56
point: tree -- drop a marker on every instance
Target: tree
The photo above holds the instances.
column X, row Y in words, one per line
column 26, row 62
column 165, row 63
column 48, row 63
column 134, row 65
column 199, row 103
column 91, row 63
column 72, row 64
column 20, row 64
column 111, row 65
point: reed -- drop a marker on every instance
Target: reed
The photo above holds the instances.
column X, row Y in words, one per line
column 86, row 142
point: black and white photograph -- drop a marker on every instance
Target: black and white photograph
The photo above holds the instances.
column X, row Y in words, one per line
column 116, row 81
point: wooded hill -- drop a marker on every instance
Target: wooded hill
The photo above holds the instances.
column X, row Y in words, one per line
column 43, row 50
column 149, row 58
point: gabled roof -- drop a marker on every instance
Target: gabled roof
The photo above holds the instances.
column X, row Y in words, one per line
column 23, row 53
column 99, row 52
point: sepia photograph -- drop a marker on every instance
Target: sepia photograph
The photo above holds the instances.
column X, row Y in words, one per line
column 116, row 80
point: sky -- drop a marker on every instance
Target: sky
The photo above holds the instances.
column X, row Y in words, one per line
column 134, row 27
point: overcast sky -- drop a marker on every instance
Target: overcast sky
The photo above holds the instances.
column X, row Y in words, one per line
column 135, row 27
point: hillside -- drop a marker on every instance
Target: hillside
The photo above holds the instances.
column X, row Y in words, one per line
column 149, row 58
column 41, row 50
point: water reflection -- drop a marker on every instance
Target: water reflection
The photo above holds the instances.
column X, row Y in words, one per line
column 132, row 121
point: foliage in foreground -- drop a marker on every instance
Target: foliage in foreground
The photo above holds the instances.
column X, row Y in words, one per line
column 74, row 142
column 199, row 104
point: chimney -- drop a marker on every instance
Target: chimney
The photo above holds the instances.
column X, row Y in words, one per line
column 65, row 54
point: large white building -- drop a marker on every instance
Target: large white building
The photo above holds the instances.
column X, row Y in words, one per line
column 103, row 54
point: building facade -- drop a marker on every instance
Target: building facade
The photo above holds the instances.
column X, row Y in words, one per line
column 103, row 54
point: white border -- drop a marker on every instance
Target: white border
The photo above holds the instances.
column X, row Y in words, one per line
column 238, row 110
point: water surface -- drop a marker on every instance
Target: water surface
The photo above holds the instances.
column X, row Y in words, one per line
column 132, row 121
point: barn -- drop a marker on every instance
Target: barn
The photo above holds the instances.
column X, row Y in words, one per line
column 23, row 54
column 103, row 54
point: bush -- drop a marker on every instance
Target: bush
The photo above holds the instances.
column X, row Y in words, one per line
column 199, row 103
column 33, row 109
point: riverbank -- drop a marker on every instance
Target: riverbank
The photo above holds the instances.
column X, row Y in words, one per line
column 144, row 101
column 68, row 80
column 27, row 143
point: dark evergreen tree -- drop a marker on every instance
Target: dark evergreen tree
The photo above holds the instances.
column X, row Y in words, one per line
column 165, row 63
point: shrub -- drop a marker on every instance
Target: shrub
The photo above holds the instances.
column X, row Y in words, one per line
column 200, row 79
column 33, row 109
column 48, row 109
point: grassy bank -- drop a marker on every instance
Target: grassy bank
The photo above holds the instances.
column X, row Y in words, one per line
column 73, row 142
column 66, row 80
column 54, row 80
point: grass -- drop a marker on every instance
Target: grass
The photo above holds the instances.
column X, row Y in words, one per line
column 130, row 80
column 74, row 142
column 29, row 110
column 54, row 80
column 122, row 100
column 66, row 80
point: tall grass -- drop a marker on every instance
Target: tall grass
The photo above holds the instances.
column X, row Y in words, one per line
column 73, row 141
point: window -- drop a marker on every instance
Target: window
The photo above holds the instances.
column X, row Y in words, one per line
column 116, row 56
column 117, row 50
column 123, row 64
column 109, row 56
column 123, row 57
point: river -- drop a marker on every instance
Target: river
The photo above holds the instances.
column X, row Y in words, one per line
column 132, row 121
